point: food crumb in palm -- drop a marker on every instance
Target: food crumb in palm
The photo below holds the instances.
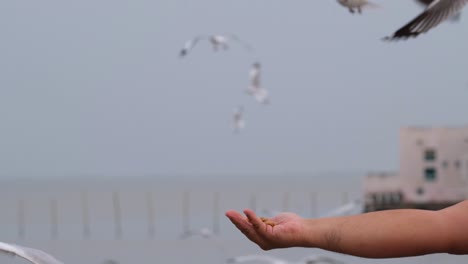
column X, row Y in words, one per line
column 267, row 221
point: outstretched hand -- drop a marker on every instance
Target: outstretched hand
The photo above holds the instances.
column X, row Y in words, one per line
column 282, row 231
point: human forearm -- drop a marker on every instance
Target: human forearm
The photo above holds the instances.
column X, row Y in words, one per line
column 395, row 233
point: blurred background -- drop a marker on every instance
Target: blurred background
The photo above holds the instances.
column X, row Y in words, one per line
column 113, row 147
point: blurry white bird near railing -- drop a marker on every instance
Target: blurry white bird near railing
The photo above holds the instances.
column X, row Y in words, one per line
column 32, row 255
column 312, row 259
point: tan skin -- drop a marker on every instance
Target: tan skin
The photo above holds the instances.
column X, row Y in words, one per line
column 384, row 234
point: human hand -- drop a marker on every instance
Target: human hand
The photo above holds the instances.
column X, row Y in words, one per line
column 282, row 231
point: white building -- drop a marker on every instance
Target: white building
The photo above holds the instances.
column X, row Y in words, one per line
column 433, row 171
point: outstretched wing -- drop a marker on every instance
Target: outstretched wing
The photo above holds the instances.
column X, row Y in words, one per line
column 436, row 12
column 424, row 3
column 245, row 44
column 33, row 255
column 248, row 258
column 316, row 259
column 190, row 44
column 354, row 207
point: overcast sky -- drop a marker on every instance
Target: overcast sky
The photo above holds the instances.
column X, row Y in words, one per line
column 96, row 87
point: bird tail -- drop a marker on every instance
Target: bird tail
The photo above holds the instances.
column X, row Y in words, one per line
column 373, row 5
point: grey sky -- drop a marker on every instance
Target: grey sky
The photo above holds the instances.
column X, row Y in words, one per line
column 96, row 87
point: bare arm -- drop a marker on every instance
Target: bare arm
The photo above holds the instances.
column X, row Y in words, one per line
column 384, row 234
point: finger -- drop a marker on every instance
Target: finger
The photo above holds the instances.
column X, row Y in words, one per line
column 244, row 226
column 256, row 222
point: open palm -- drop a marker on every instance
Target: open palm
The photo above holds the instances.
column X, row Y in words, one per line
column 283, row 230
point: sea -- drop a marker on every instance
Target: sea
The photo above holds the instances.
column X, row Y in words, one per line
column 141, row 220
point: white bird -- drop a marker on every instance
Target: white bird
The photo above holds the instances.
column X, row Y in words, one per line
column 32, row 255
column 217, row 41
column 255, row 89
column 435, row 13
column 351, row 208
column 238, row 122
column 313, row 259
column 203, row 232
column 356, row 5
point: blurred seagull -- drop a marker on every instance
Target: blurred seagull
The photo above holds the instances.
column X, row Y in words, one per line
column 358, row 5
column 436, row 12
column 32, row 255
column 351, row 208
column 314, row 259
column 255, row 89
column 238, row 122
column 218, row 42
column 203, row 232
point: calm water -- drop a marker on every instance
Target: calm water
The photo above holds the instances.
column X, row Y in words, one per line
column 78, row 221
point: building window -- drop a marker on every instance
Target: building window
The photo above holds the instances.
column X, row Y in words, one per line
column 419, row 142
column 457, row 164
column 430, row 174
column 430, row 155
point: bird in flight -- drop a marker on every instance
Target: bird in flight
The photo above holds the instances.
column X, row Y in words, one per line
column 255, row 89
column 34, row 256
column 435, row 13
column 218, row 42
column 202, row 232
column 356, row 5
column 238, row 122
column 313, row 259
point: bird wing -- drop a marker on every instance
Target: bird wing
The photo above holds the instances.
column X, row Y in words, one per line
column 190, row 44
column 247, row 258
column 436, row 12
column 346, row 209
column 245, row 44
column 424, row 3
column 328, row 260
column 33, row 255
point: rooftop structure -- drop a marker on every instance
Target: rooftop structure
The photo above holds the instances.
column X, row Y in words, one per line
column 433, row 171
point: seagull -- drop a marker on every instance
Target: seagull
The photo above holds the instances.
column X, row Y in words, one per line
column 32, row 255
column 351, row 208
column 354, row 207
column 436, row 12
column 354, row 5
column 238, row 122
column 203, row 232
column 313, row 259
column 255, row 89
column 218, row 42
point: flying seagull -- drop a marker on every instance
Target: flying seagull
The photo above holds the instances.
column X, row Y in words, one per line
column 356, row 5
column 32, row 255
column 436, row 12
column 238, row 122
column 218, row 42
column 255, row 89
column 313, row 259
column 351, row 208
column 204, row 232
